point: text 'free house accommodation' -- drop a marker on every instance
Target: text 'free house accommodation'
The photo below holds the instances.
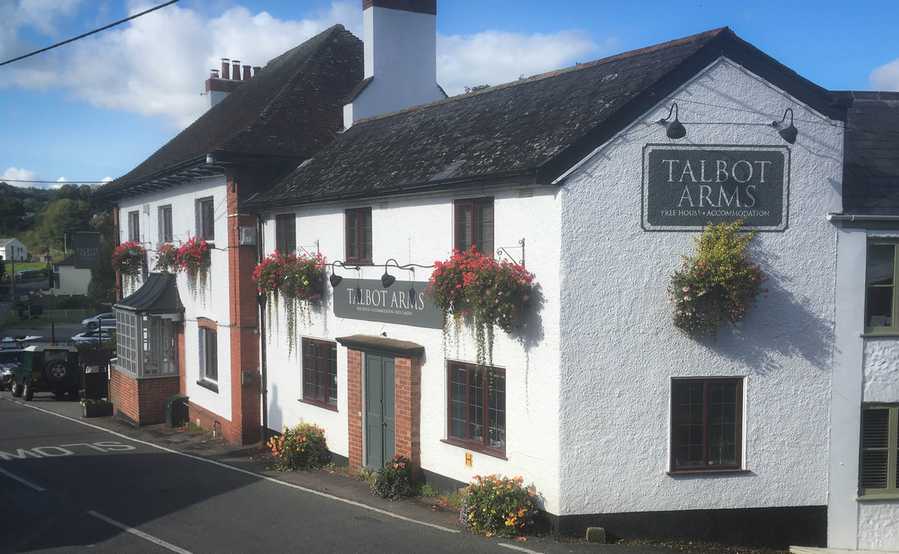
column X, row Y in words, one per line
column 616, row 417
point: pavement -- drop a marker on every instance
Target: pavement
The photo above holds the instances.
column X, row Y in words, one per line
column 71, row 484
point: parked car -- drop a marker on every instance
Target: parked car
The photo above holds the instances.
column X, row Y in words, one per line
column 17, row 343
column 10, row 360
column 95, row 336
column 107, row 318
column 48, row 368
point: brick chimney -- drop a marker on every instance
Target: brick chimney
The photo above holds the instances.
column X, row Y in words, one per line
column 221, row 84
column 400, row 39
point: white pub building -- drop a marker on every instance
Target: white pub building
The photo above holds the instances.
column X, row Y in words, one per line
column 782, row 429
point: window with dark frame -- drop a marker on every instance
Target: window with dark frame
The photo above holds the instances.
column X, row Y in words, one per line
column 286, row 233
column 473, row 225
column 879, row 471
column 706, row 424
column 358, row 236
column 881, row 302
column 476, row 412
column 205, row 215
column 208, row 355
column 320, row 372
column 134, row 226
column 165, row 223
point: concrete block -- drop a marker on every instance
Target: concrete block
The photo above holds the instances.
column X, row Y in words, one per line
column 596, row 535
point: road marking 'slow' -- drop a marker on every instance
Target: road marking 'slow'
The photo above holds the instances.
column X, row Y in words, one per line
column 518, row 548
column 25, row 482
column 245, row 471
column 139, row 533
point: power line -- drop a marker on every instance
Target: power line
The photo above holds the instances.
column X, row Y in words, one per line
column 89, row 33
column 66, row 182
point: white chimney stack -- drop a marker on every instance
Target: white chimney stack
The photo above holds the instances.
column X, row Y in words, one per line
column 400, row 39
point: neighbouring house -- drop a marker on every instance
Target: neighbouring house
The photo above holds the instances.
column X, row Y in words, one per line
column 781, row 429
column 69, row 278
column 12, row 249
column 191, row 191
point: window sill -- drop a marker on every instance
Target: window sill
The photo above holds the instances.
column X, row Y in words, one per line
column 699, row 472
column 878, row 496
column 474, row 447
column 324, row 406
column 209, row 385
column 880, row 334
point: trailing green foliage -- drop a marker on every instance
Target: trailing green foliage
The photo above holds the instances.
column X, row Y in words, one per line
column 718, row 283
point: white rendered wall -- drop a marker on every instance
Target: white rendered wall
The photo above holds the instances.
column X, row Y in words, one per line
column 401, row 54
column 213, row 302
column 72, row 280
column 620, row 350
column 419, row 230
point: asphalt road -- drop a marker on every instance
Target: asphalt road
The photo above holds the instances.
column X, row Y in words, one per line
column 66, row 487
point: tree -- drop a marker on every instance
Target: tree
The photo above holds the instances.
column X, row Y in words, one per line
column 58, row 218
column 102, row 287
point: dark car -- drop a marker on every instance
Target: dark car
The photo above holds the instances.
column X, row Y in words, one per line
column 48, row 368
column 10, row 360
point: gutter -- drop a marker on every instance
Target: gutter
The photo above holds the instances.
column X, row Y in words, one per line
column 852, row 218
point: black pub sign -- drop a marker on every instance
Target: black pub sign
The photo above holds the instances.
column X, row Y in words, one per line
column 687, row 187
column 86, row 247
column 405, row 302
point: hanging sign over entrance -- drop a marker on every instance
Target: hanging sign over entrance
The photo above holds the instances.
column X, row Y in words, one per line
column 405, row 302
column 687, row 187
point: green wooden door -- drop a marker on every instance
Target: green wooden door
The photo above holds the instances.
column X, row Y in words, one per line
column 379, row 417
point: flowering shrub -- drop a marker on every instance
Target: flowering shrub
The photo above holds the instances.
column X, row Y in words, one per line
column 394, row 480
column 489, row 293
column 192, row 257
column 128, row 258
column 297, row 279
column 166, row 258
column 302, row 447
column 719, row 283
column 495, row 505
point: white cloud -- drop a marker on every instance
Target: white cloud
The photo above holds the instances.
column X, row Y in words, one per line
column 155, row 65
column 495, row 57
column 106, row 179
column 886, row 77
column 18, row 174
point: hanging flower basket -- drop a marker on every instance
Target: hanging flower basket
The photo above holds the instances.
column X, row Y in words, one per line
column 298, row 280
column 718, row 283
column 166, row 258
column 487, row 293
column 128, row 259
column 193, row 258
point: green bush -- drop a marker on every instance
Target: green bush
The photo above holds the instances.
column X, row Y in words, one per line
column 394, row 480
column 495, row 505
column 300, row 447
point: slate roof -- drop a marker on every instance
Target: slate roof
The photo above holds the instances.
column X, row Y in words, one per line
column 290, row 109
column 530, row 130
column 871, row 153
column 158, row 295
column 4, row 242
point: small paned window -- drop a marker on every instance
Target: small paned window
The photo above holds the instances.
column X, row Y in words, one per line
column 320, row 372
column 205, row 215
column 165, row 223
column 706, row 424
column 286, row 233
column 134, row 226
column 477, row 407
column 879, row 471
column 880, row 287
column 473, row 225
column 358, row 236
column 208, row 355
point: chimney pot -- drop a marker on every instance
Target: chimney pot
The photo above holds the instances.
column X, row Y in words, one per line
column 256, row 70
column 246, row 73
column 235, row 70
column 226, row 74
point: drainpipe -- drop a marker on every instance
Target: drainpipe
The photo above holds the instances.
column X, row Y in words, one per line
column 260, row 302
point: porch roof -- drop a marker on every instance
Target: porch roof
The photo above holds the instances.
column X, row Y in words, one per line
column 158, row 295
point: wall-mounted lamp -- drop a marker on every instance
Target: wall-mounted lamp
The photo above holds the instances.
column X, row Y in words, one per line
column 335, row 279
column 674, row 129
column 789, row 132
column 387, row 279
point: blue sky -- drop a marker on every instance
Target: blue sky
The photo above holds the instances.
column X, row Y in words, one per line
column 97, row 108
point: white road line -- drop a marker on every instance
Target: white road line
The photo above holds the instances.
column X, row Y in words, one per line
column 245, row 471
column 25, row 482
column 139, row 533
column 518, row 548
